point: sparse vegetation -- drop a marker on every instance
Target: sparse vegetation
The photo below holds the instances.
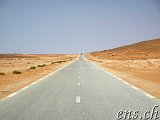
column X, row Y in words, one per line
column 44, row 65
column 23, row 74
column 41, row 65
column 60, row 61
column 1, row 73
column 16, row 72
column 32, row 67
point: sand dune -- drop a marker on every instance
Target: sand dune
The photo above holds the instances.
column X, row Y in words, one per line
column 140, row 51
column 139, row 64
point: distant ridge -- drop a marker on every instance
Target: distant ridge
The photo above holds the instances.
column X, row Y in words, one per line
column 149, row 49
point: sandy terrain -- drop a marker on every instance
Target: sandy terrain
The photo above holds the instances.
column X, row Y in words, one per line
column 10, row 82
column 138, row 64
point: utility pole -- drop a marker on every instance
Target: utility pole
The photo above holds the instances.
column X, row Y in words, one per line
column 19, row 50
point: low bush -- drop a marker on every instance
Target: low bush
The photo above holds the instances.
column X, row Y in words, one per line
column 39, row 66
column 58, row 61
column 16, row 72
column 44, row 65
column 1, row 73
column 32, row 67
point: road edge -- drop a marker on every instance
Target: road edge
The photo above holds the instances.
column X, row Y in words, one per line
column 38, row 80
column 122, row 80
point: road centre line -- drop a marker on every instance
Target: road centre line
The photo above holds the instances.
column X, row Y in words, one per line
column 78, row 84
column 78, row 99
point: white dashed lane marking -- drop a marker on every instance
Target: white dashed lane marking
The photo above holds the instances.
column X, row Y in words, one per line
column 12, row 95
column 33, row 83
column 135, row 87
column 78, row 84
column 125, row 83
column 25, row 88
column 149, row 95
column 78, row 99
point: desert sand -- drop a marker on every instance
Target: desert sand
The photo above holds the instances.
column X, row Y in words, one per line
column 138, row 64
column 43, row 63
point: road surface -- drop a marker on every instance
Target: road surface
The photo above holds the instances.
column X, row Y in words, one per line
column 79, row 91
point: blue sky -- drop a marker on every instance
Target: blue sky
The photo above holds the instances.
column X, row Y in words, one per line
column 74, row 26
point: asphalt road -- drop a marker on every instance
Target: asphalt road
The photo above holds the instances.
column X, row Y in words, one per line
column 79, row 91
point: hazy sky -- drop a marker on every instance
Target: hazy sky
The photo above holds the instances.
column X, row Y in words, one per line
column 74, row 26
